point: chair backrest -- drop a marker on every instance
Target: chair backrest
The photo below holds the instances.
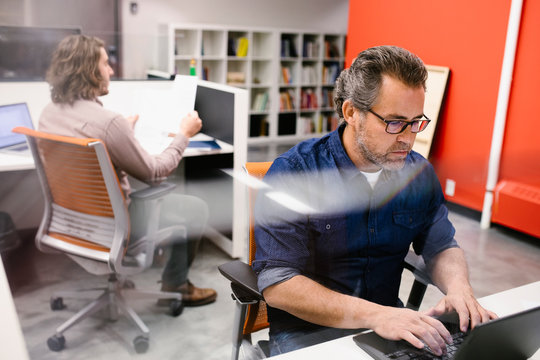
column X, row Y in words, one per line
column 256, row 317
column 85, row 211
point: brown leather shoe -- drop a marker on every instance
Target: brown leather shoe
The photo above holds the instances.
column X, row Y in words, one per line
column 191, row 295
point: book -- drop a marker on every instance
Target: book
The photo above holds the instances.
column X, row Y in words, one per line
column 204, row 144
column 242, row 47
column 231, row 49
column 286, row 75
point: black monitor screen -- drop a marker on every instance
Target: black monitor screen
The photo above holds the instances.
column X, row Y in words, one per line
column 216, row 109
column 25, row 52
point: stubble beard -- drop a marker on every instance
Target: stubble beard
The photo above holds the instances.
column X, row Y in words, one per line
column 381, row 160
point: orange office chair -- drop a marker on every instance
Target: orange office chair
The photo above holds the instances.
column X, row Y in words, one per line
column 86, row 217
column 250, row 315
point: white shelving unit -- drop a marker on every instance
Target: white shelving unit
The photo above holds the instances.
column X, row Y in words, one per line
column 289, row 74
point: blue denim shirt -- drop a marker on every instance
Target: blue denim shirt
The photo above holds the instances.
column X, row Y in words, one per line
column 320, row 218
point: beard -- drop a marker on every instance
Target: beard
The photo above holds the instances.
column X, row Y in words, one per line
column 382, row 160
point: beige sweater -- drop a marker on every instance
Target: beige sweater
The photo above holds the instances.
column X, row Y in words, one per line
column 88, row 119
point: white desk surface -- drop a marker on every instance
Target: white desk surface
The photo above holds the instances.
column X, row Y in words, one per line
column 503, row 303
column 9, row 162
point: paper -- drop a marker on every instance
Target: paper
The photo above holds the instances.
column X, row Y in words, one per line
column 162, row 109
column 161, row 106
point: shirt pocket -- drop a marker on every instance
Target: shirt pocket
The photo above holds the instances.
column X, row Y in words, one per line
column 409, row 219
column 330, row 234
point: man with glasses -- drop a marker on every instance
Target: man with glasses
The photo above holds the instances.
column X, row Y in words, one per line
column 330, row 249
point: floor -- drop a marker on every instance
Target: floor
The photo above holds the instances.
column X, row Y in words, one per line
column 499, row 259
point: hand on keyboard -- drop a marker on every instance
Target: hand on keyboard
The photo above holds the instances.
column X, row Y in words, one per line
column 414, row 327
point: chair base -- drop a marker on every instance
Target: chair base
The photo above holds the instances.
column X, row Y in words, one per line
column 113, row 298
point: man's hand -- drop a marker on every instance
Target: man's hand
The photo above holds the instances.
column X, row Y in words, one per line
column 132, row 120
column 191, row 124
column 414, row 327
column 465, row 304
column 449, row 272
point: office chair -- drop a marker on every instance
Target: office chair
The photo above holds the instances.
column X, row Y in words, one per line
column 250, row 314
column 86, row 217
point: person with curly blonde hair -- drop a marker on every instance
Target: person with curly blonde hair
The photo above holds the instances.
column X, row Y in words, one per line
column 78, row 75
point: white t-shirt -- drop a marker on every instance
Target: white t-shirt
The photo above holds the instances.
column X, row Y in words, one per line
column 372, row 177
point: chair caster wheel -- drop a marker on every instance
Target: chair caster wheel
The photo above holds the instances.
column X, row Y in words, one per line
column 57, row 303
column 140, row 343
column 176, row 306
column 56, row 342
column 128, row 284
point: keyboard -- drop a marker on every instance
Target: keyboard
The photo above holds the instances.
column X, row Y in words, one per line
column 425, row 354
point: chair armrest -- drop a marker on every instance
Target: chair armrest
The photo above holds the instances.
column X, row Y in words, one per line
column 418, row 267
column 152, row 192
column 243, row 280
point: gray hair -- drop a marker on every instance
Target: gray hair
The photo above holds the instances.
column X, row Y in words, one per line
column 361, row 82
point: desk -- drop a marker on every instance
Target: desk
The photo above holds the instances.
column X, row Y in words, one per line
column 503, row 303
column 20, row 192
column 10, row 162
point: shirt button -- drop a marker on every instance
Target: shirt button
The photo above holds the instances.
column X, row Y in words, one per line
column 328, row 226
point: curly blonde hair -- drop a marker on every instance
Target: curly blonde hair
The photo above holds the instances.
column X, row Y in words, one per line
column 74, row 71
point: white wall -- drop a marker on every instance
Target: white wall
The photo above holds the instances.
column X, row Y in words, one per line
column 140, row 30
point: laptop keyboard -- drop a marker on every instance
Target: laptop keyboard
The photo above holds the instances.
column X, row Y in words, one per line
column 416, row 354
column 21, row 147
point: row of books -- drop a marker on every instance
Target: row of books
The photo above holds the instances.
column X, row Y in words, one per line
column 309, row 125
column 330, row 73
column 286, row 100
column 260, row 102
column 308, row 99
column 310, row 49
column 258, row 126
column 238, row 47
column 327, row 98
column 331, row 50
column 286, row 76
column 288, row 48
column 309, row 75
column 205, row 73
column 312, row 125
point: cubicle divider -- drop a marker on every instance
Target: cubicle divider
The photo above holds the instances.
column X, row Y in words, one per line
column 224, row 110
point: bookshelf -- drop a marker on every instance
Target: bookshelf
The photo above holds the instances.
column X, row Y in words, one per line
column 289, row 74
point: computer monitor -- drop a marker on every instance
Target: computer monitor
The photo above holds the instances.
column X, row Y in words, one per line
column 221, row 107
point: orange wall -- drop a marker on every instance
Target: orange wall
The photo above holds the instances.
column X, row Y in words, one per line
column 469, row 38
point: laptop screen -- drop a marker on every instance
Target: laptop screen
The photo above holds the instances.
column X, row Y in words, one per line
column 11, row 116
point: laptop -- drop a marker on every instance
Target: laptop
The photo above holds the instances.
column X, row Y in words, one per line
column 514, row 337
column 11, row 116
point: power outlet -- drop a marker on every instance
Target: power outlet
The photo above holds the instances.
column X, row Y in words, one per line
column 450, row 188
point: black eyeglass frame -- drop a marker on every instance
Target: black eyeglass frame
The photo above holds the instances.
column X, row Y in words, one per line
column 404, row 122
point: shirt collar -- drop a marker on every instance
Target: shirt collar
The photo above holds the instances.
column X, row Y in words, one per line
column 344, row 163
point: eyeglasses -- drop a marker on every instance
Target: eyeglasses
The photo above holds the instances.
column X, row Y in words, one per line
column 397, row 126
